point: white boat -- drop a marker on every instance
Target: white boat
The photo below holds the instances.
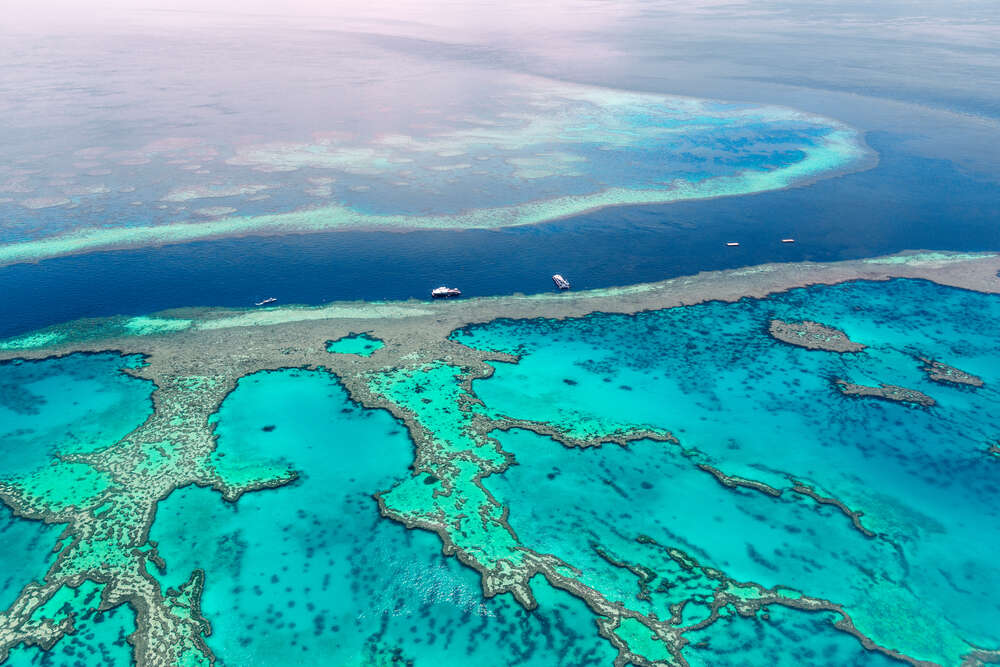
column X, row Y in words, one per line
column 445, row 292
column 732, row 244
column 266, row 301
column 560, row 282
column 788, row 240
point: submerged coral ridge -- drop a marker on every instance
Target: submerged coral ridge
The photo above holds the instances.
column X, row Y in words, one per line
column 941, row 372
column 813, row 336
column 510, row 424
column 539, row 150
column 887, row 392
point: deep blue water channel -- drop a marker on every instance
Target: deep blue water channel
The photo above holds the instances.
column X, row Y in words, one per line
column 906, row 202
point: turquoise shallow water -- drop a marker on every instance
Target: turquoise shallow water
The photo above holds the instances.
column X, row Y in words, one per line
column 77, row 403
column 72, row 404
column 361, row 344
column 580, row 503
column 99, row 638
column 786, row 638
column 26, row 553
column 311, row 572
column 763, row 409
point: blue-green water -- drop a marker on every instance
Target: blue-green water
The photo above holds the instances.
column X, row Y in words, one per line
column 310, row 572
column 73, row 404
column 361, row 344
column 764, row 409
column 574, row 502
column 26, row 553
column 99, row 639
column 77, row 403
column 786, row 638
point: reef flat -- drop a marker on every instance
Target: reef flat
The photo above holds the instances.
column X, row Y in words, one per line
column 940, row 372
column 537, row 151
column 886, row 392
column 813, row 336
column 513, row 403
column 430, row 320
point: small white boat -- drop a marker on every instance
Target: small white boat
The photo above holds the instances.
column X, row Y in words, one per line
column 445, row 292
column 788, row 240
column 732, row 244
column 266, row 301
column 560, row 282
